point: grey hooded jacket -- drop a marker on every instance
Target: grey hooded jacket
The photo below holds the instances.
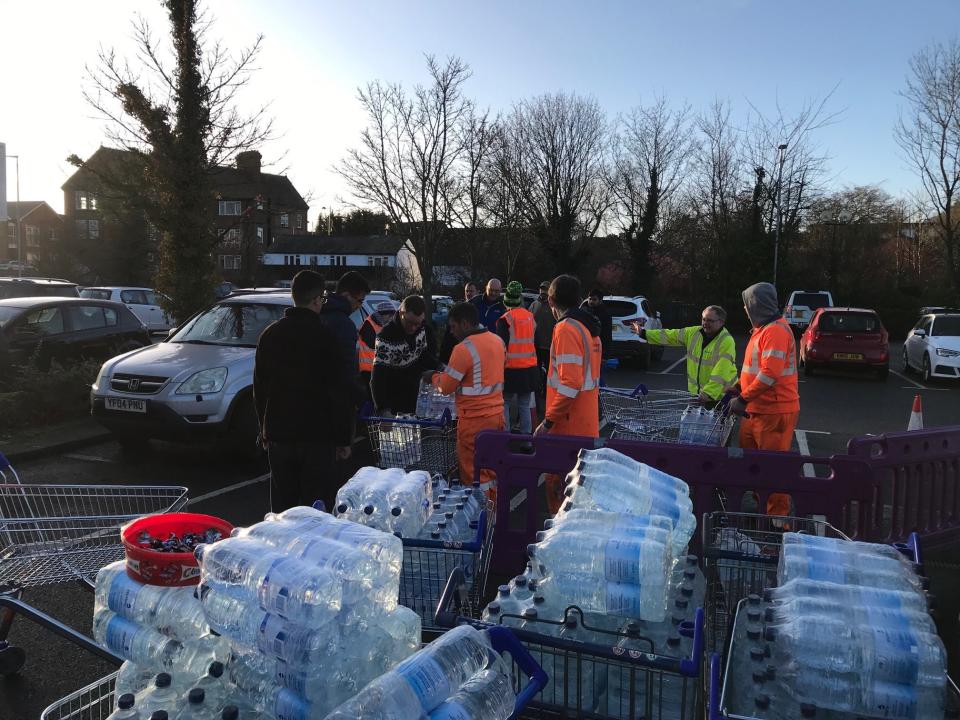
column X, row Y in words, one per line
column 760, row 300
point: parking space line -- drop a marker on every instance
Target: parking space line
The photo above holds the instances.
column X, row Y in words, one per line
column 804, row 447
column 909, row 380
column 229, row 489
column 88, row 458
column 667, row 371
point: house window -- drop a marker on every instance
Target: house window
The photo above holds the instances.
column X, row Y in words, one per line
column 33, row 236
column 378, row 260
column 229, row 207
column 285, row 220
column 12, row 236
column 313, row 260
column 230, row 262
column 52, row 235
column 88, row 229
column 230, row 238
column 299, row 221
column 85, row 200
column 260, row 234
column 338, row 260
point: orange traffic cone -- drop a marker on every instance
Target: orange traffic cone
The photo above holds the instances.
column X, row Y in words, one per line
column 916, row 415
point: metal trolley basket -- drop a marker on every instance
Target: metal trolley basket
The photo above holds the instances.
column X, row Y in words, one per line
column 427, row 564
column 56, row 533
column 413, row 443
column 644, row 684
column 656, row 417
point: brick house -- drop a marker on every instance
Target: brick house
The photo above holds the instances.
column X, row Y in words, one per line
column 250, row 210
column 382, row 259
column 41, row 230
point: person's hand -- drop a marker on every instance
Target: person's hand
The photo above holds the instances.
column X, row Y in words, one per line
column 637, row 325
column 542, row 429
column 738, row 406
column 264, row 443
column 343, row 453
column 704, row 399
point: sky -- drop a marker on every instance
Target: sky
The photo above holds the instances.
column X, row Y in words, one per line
column 317, row 53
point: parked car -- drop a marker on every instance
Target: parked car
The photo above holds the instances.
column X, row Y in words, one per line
column 15, row 287
column 933, row 346
column 626, row 343
column 195, row 386
column 441, row 308
column 145, row 303
column 845, row 337
column 66, row 329
column 801, row 306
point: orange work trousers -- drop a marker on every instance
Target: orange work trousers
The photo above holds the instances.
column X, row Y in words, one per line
column 467, row 429
column 583, row 420
column 770, row 432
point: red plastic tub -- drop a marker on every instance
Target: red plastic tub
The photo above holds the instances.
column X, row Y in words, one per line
column 165, row 568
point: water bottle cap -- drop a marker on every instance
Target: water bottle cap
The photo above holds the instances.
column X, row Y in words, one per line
column 520, row 581
column 754, row 615
column 569, row 491
column 692, row 560
column 677, row 619
column 459, row 506
column 216, row 668
column 681, row 603
column 230, row 712
column 235, row 532
column 530, row 614
column 753, row 632
column 762, row 701
column 768, row 615
column 532, row 550
column 673, row 640
column 434, row 534
column 753, row 599
column 368, row 510
column 771, row 672
column 504, row 590
column 756, row 653
column 808, row 710
column 468, row 491
column 159, row 715
column 493, row 608
column 532, row 584
column 342, row 508
column 442, row 524
column 195, row 696
column 689, row 574
column 163, row 680
column 396, row 511
column 567, row 506
column 759, row 676
column 539, row 599
column 686, row 590
column 125, row 701
column 474, row 524
column 448, row 515
column 769, row 633
column 548, row 524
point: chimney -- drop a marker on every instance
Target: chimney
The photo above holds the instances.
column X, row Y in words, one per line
column 249, row 161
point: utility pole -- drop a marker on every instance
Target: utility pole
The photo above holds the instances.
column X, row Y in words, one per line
column 781, row 151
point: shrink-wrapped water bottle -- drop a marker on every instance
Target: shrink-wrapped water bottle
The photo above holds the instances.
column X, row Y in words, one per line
column 847, row 594
column 486, row 696
column 159, row 696
column 625, row 559
column 643, row 602
column 844, row 568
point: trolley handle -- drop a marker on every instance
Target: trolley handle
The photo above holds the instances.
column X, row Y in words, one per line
column 366, row 414
column 714, row 699
column 453, row 600
column 502, row 640
column 4, row 463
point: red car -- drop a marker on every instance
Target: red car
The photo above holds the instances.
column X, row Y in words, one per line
column 845, row 337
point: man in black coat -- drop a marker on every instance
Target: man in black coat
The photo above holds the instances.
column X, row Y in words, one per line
column 351, row 290
column 303, row 399
column 406, row 347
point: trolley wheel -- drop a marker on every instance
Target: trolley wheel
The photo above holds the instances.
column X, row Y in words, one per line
column 12, row 658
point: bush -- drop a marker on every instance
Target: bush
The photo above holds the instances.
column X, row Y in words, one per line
column 32, row 396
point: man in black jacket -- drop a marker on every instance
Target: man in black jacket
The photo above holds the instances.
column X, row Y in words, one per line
column 349, row 295
column 406, row 347
column 304, row 402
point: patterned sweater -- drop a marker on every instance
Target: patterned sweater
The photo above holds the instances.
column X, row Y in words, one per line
column 399, row 361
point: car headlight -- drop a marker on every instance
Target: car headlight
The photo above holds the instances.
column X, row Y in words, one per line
column 101, row 376
column 205, row 381
column 943, row 352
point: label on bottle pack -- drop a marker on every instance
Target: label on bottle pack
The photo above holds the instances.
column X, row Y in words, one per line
column 879, row 598
column 122, row 596
column 896, row 654
column 621, row 560
column 892, row 701
column 274, row 596
column 119, row 635
column 660, row 505
column 623, row 599
column 278, row 638
column 427, row 679
column 451, row 711
column 290, row 706
column 288, row 677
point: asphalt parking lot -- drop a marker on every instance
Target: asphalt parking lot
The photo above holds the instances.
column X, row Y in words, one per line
column 834, row 408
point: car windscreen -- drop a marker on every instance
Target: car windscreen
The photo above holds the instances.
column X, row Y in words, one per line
column 620, row 308
column 235, row 324
column 9, row 313
column 946, row 326
column 95, row 293
column 814, row 301
column 849, row 322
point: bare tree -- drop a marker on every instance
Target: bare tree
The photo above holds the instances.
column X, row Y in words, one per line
column 411, row 158
column 651, row 150
column 550, row 159
column 928, row 133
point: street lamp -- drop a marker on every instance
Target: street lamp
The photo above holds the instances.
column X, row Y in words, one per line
column 781, row 152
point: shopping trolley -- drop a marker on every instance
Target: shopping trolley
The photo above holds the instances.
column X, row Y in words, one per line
column 602, row 680
column 413, row 443
column 660, row 418
column 614, row 399
column 57, row 533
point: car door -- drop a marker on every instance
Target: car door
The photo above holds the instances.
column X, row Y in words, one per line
column 40, row 336
column 136, row 300
column 91, row 336
column 916, row 345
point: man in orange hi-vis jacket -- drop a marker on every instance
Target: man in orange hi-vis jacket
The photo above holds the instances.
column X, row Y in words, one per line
column 768, row 389
column 475, row 373
column 574, row 376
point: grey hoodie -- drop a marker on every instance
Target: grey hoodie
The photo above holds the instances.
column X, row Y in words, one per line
column 761, row 303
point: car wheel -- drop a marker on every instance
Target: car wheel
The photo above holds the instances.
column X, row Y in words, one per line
column 906, row 362
column 926, row 373
column 245, row 430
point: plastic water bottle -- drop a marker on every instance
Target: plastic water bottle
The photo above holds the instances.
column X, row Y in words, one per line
column 846, row 546
column 289, row 587
column 636, row 560
column 689, row 582
column 604, row 460
column 196, row 707
column 248, row 673
column 134, row 642
column 125, row 708
column 257, row 629
column 349, row 501
column 425, row 400
column 626, row 600
column 868, row 615
column 486, row 696
column 132, row 678
column 214, row 686
column 847, row 594
column 159, row 696
column 385, row 548
column 172, row 611
column 813, row 563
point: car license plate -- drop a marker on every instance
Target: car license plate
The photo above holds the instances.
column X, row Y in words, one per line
column 847, row 356
column 126, row 405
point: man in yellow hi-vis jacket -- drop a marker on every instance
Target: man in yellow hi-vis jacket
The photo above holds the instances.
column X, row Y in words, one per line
column 711, row 353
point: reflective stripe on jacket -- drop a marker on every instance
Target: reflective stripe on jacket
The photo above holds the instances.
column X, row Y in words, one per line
column 365, row 353
column 475, row 373
column 711, row 367
column 768, row 380
column 575, row 357
column 521, row 352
